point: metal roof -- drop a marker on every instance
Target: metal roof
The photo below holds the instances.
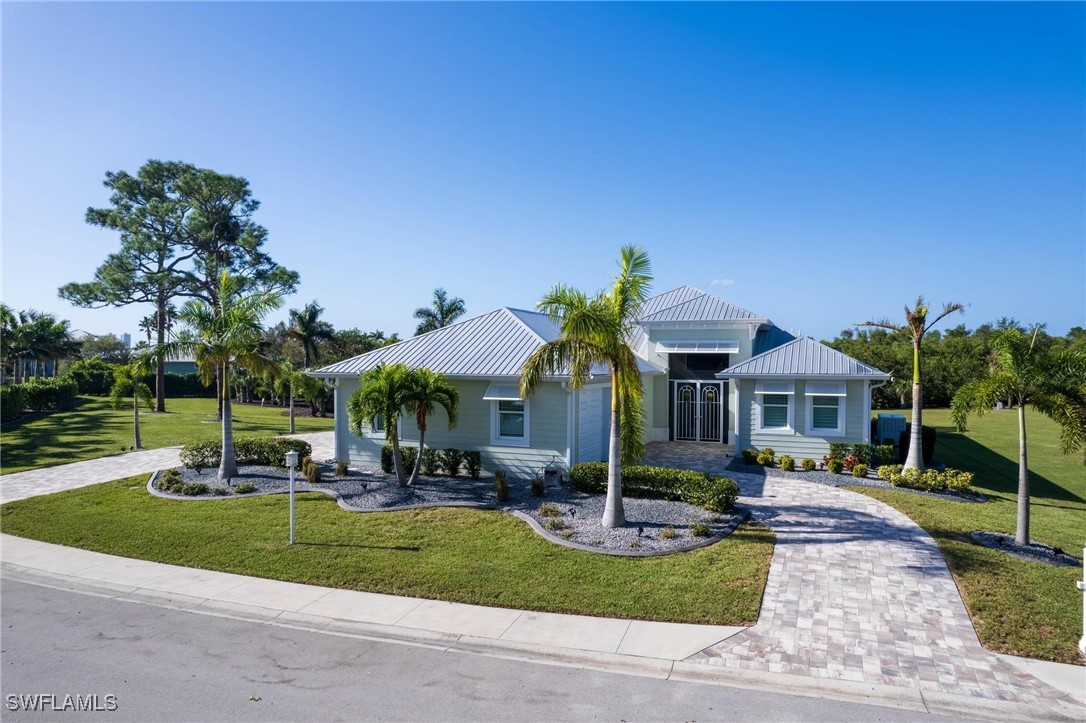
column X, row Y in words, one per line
column 689, row 304
column 803, row 357
column 495, row 344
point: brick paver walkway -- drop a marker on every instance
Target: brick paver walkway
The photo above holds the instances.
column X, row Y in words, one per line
column 857, row 591
column 22, row 485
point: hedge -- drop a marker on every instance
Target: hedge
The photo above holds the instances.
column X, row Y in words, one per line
column 717, row 494
column 184, row 385
column 927, row 443
column 268, row 451
column 407, row 458
column 12, row 401
column 93, row 376
column 50, row 395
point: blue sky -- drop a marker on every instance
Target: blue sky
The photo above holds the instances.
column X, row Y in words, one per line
column 819, row 164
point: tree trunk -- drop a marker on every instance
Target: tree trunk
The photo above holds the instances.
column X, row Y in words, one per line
column 613, row 513
column 160, row 364
column 1021, row 533
column 136, row 416
column 915, row 460
column 291, row 402
column 220, row 385
column 418, row 459
column 228, row 466
column 397, row 464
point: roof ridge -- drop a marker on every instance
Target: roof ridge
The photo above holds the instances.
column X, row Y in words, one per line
column 510, row 311
column 687, row 301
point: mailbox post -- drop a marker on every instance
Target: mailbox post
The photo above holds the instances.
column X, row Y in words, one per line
column 292, row 462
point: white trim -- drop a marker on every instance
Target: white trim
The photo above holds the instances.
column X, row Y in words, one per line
column 768, row 387
column 839, row 430
column 721, row 346
column 759, row 400
column 503, row 392
column 826, row 389
column 499, row 441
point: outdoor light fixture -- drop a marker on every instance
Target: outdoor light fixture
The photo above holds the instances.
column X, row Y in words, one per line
column 292, row 462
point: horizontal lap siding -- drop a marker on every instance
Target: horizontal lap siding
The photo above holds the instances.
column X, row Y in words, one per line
column 800, row 445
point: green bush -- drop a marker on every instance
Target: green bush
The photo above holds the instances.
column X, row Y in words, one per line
column 473, row 462
column 750, row 456
column 882, row 454
column 220, row 491
column 202, row 455
column 839, row 449
column 501, row 485
column 835, row 465
column 50, row 395
column 947, row 480
column 787, row 463
column 194, row 488
column 12, row 402
column 554, row 524
column 860, row 470
column 862, row 451
column 245, row 488
column 808, row 464
column 697, row 488
column 766, row 458
column 93, row 376
column 700, row 529
column 431, row 462
column 668, row 533
column 186, row 385
column 265, row 451
column 549, row 509
column 888, row 471
column 407, row 458
column 450, row 461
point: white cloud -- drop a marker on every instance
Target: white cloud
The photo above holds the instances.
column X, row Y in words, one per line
column 722, row 282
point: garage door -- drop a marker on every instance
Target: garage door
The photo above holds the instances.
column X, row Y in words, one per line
column 594, row 423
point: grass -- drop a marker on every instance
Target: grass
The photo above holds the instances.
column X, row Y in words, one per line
column 1022, row 608
column 94, row 429
column 470, row 556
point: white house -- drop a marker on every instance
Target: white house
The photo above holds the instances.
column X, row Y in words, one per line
column 714, row 374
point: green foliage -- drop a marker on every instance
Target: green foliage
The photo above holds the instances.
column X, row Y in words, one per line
column 882, row 454
column 441, row 312
column 549, row 509
column 554, row 524
column 219, row 491
column 700, row 529
column 861, row 451
column 889, row 471
column 50, row 395
column 840, row 449
column 766, row 458
column 787, row 463
column 245, row 488
column 170, row 481
column 266, row 451
column 501, row 485
column 408, row 455
column 808, row 464
column 451, row 459
column 431, row 462
column 93, row 376
column 473, row 463
column 860, row 470
column 717, row 494
column 835, row 466
column 186, row 385
column 750, row 456
column 12, row 401
column 668, row 533
column 927, row 440
column 947, row 480
column 850, row 461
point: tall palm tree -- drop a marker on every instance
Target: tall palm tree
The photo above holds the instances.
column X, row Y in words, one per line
column 221, row 335
column 306, row 326
column 441, row 312
column 426, row 391
column 130, row 377
column 916, row 326
column 594, row 332
column 290, row 383
column 1052, row 382
column 382, row 394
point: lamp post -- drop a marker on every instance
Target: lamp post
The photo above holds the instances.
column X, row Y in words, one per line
column 1082, row 586
column 292, row 462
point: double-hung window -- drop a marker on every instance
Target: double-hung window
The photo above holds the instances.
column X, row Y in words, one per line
column 509, row 416
column 776, row 409
column 825, row 408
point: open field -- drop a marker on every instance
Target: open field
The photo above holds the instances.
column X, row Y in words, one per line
column 1023, row 608
column 94, row 429
column 470, row 556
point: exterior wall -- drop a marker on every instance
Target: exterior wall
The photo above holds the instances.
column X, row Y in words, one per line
column 797, row 443
column 548, row 417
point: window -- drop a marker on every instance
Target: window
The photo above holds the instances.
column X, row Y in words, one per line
column 775, row 406
column 774, row 411
column 379, row 424
column 825, row 415
column 509, row 420
column 824, row 412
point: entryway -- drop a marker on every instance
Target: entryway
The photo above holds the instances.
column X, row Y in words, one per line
column 698, row 413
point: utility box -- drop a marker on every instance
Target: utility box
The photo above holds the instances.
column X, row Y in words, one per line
column 552, row 476
column 890, row 426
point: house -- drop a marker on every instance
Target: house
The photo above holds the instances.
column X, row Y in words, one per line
column 714, row 373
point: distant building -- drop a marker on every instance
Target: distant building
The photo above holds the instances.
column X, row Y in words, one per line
column 127, row 339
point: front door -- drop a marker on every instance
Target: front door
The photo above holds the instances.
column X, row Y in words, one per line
column 698, row 414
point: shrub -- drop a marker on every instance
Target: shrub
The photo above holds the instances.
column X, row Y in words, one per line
column 566, row 533
column 888, row 471
column 765, row 458
column 186, row 385
column 50, row 395
column 538, row 487
column 717, row 494
column 266, row 451
column 862, row 451
column 313, row 473
column 220, row 491
column 549, row 509
column 169, row 480
column 408, row 455
column 807, row 464
column 93, row 376
column 835, row 465
column 635, row 544
column 431, row 462
column 931, row 480
column 668, row 533
column 501, row 485
column 700, row 529
column 473, row 462
column 850, row 461
column 12, row 402
column 787, row 463
column 245, row 488
column 341, row 469
column 450, row 461
column 860, row 470
column 554, row 524
column 882, row 454
column 750, row 456
column 840, row 449
column 202, row 455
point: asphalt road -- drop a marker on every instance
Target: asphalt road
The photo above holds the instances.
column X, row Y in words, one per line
column 166, row 665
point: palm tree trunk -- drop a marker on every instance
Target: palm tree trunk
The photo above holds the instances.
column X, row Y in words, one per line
column 613, row 513
column 292, row 407
column 915, row 460
column 1021, row 533
column 397, row 463
column 160, row 365
column 418, row 459
column 136, row 417
column 228, row 466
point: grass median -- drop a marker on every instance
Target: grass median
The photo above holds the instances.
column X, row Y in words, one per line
column 469, row 556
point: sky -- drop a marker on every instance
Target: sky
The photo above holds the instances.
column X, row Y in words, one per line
column 817, row 164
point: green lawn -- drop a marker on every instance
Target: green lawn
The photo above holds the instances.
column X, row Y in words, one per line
column 1023, row 608
column 470, row 556
column 93, row 429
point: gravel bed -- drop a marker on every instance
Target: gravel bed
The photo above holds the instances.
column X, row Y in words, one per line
column 824, row 477
column 1033, row 552
column 579, row 514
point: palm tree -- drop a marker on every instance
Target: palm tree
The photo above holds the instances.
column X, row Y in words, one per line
column 1053, row 382
column 594, row 332
column 221, row 335
column 382, row 394
column 130, row 376
column 426, row 391
column 915, row 327
column 291, row 382
column 441, row 312
column 307, row 327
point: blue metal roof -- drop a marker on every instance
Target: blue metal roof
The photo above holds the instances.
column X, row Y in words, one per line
column 801, row 358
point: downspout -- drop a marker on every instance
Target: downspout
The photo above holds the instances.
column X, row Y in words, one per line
column 569, row 426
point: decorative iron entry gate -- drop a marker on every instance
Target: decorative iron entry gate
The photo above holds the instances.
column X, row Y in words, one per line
column 699, row 411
